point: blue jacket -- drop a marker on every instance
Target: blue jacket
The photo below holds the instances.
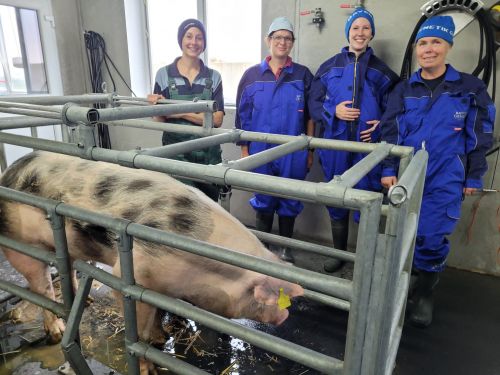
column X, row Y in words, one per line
column 365, row 80
column 455, row 120
column 267, row 105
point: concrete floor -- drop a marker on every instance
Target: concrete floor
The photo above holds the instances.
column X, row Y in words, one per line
column 462, row 341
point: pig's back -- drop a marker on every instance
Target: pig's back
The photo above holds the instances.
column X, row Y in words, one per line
column 145, row 197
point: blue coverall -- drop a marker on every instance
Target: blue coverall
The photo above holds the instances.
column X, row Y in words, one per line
column 275, row 105
column 366, row 81
column 455, row 125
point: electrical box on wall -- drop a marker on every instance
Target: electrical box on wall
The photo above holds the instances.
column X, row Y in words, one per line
column 318, row 18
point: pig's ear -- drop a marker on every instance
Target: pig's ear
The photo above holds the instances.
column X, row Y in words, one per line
column 266, row 291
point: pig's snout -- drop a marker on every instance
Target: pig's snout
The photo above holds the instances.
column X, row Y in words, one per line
column 281, row 316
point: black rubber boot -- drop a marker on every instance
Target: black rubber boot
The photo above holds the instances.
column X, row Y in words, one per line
column 286, row 224
column 423, row 302
column 340, row 231
column 264, row 221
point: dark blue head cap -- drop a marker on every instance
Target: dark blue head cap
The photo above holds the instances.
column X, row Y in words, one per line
column 438, row 26
column 186, row 25
column 359, row 12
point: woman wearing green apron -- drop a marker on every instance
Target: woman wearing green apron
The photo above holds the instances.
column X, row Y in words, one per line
column 187, row 78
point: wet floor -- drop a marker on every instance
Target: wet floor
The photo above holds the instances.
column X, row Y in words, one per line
column 209, row 350
column 463, row 339
column 102, row 340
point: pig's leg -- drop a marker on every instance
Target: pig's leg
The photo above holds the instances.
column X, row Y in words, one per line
column 38, row 276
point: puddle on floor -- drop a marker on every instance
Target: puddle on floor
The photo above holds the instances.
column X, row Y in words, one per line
column 102, row 335
column 216, row 353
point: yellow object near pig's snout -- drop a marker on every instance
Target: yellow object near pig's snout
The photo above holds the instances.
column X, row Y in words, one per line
column 283, row 300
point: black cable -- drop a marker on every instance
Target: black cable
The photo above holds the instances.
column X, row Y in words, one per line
column 117, row 71
column 96, row 50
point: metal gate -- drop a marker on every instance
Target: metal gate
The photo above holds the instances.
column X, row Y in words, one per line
column 375, row 298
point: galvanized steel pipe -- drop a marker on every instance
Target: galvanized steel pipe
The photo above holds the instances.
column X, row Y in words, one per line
column 192, row 145
column 266, row 341
column 354, row 174
column 263, row 157
column 61, row 100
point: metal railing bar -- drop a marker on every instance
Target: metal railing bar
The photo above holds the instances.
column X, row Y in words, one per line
column 120, row 113
column 69, row 343
column 399, row 301
column 55, row 100
column 263, row 157
column 145, row 101
column 129, row 306
column 354, row 174
column 274, row 239
column 37, row 299
column 75, row 315
column 192, row 145
column 173, row 364
column 41, row 144
column 329, row 285
column 393, row 350
column 408, row 239
column 327, row 300
column 266, row 341
column 19, row 122
column 32, row 251
column 333, row 286
column 63, row 261
column 32, row 112
column 332, row 144
column 410, row 177
column 359, row 315
column 35, row 107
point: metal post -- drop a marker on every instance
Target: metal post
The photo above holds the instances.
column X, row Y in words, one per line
column 359, row 316
column 208, row 121
column 62, row 260
column 70, row 344
column 85, row 137
column 129, row 307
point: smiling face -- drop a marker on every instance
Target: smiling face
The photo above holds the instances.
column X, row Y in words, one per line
column 431, row 53
column 360, row 35
column 280, row 43
column 193, row 42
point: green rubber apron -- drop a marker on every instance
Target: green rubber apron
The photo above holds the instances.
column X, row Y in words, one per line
column 210, row 155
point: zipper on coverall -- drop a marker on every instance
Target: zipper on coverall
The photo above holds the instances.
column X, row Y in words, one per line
column 352, row 124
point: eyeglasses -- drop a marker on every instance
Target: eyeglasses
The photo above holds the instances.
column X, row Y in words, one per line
column 280, row 38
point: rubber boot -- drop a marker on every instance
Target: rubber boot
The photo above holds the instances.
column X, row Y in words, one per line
column 423, row 302
column 264, row 221
column 286, row 224
column 340, row 231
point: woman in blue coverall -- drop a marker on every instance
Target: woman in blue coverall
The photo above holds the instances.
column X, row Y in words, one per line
column 347, row 98
column 450, row 114
column 187, row 78
column 272, row 98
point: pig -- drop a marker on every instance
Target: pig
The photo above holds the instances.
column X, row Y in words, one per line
column 152, row 199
